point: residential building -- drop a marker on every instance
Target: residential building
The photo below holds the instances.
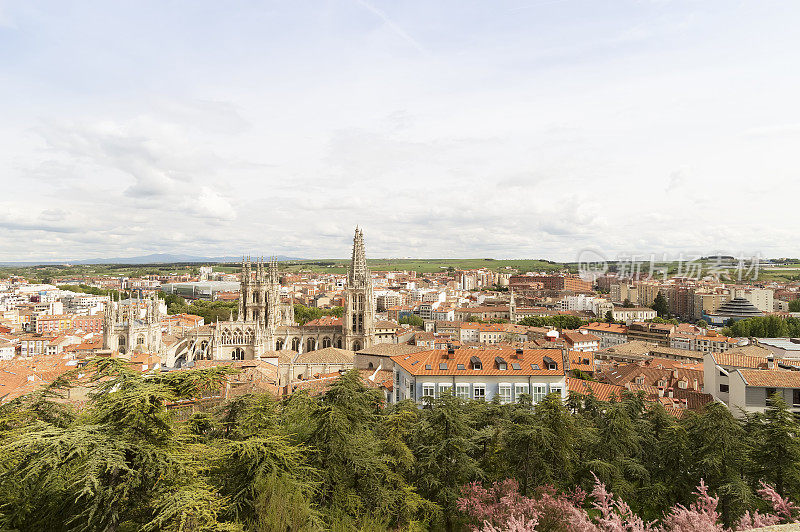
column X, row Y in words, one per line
column 657, row 333
column 481, row 374
column 581, row 340
column 752, row 389
column 608, row 334
column 629, row 314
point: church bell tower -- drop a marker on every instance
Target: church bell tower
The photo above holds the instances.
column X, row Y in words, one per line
column 358, row 320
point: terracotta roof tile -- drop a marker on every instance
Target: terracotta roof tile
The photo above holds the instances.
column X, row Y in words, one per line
column 438, row 362
column 778, row 378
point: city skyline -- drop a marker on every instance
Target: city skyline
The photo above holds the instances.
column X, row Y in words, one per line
column 510, row 130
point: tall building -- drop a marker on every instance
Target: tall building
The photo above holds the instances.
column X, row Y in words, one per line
column 359, row 307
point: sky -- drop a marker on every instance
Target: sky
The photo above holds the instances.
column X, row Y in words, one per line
column 505, row 129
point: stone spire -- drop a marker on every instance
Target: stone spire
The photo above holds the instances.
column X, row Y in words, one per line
column 359, row 307
column 358, row 276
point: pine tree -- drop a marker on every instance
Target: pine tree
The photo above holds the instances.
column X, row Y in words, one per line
column 776, row 448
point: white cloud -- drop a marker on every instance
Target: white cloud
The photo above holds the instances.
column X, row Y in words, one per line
column 530, row 130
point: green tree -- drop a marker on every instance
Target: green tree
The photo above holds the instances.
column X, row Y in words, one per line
column 794, row 305
column 719, row 455
column 116, row 466
column 443, row 445
column 660, row 305
column 304, row 314
column 357, row 482
column 413, row 320
column 776, row 447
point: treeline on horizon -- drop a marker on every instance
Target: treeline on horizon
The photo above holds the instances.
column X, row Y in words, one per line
column 344, row 460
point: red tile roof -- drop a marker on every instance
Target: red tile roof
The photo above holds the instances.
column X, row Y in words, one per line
column 428, row 362
column 778, row 378
column 601, row 390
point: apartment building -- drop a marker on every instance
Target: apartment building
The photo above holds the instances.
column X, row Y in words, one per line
column 581, row 341
column 629, row 314
column 608, row 334
column 481, row 374
column 657, row 333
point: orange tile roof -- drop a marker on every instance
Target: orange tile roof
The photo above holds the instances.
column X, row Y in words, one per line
column 601, row 390
column 606, row 327
column 578, row 360
column 575, row 337
column 417, row 363
column 778, row 378
column 739, row 361
column 324, row 321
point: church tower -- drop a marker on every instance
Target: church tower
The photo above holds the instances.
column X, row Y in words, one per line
column 358, row 320
column 259, row 297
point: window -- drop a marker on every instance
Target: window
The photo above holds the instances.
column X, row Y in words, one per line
column 639, row 380
column 519, row 389
column 448, row 388
column 462, row 391
column 538, row 391
column 460, row 366
column 479, row 391
column 722, row 374
column 428, row 390
column 723, row 388
column 555, row 388
column 504, row 391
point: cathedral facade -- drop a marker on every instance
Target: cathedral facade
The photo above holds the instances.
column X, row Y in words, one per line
column 264, row 323
column 133, row 326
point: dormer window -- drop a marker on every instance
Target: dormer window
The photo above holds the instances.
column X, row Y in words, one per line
column 501, row 363
column 476, row 363
column 549, row 363
column 640, row 380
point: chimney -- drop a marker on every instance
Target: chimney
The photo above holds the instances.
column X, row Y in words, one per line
column 675, row 373
column 770, row 361
column 518, row 353
column 669, row 392
column 661, row 391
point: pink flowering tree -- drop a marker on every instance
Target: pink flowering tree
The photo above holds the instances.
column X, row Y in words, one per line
column 502, row 508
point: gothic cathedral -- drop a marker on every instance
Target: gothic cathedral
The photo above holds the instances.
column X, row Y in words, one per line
column 264, row 323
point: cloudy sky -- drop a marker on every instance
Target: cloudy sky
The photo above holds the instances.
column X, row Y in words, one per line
column 459, row 128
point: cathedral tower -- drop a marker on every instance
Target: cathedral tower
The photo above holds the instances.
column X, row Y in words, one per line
column 259, row 298
column 358, row 320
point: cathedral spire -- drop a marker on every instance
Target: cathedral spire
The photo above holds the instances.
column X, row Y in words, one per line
column 358, row 275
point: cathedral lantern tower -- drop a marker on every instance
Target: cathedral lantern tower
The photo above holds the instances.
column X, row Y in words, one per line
column 358, row 320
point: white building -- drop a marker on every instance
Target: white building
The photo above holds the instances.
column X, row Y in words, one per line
column 580, row 303
column 633, row 314
column 479, row 374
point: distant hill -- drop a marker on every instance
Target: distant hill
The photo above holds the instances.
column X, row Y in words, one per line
column 154, row 258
